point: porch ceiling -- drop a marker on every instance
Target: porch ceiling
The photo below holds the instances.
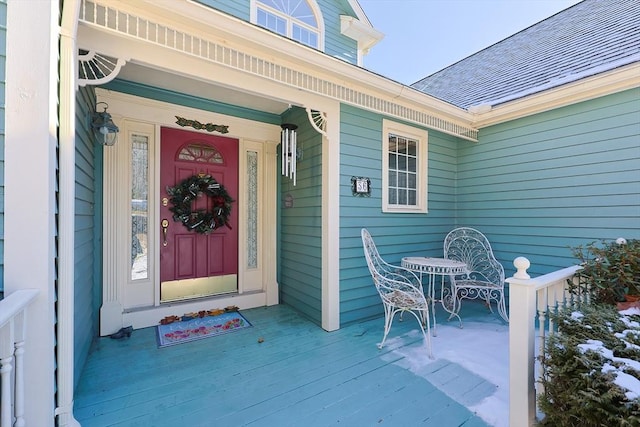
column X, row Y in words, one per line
column 137, row 73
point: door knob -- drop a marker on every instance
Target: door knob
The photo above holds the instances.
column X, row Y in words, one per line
column 165, row 226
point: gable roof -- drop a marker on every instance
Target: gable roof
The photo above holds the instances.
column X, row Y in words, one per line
column 588, row 38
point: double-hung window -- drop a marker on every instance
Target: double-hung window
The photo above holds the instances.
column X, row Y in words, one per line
column 404, row 168
column 294, row 19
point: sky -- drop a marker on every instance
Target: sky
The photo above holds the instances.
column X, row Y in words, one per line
column 425, row 36
column 483, row 348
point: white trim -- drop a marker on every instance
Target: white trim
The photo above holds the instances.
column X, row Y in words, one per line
column 241, row 39
column 290, row 20
column 269, row 234
column 618, row 80
column 359, row 12
column 318, row 120
column 136, row 291
column 30, row 163
column 249, row 279
column 331, row 220
column 66, row 239
column 365, row 35
column 253, row 51
column 91, row 61
column 422, row 137
column 112, row 286
column 313, row 4
column 135, row 113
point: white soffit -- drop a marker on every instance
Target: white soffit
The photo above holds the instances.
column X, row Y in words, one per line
column 365, row 35
column 162, row 79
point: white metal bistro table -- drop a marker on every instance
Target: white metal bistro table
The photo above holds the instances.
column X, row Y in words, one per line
column 436, row 267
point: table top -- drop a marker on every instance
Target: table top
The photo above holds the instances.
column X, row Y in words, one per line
column 434, row 265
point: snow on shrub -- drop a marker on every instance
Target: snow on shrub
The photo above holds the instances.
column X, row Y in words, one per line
column 591, row 368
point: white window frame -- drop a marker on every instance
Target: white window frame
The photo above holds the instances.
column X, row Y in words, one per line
column 421, row 136
column 290, row 20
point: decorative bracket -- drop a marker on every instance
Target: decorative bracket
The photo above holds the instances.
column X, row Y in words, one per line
column 318, row 120
column 95, row 68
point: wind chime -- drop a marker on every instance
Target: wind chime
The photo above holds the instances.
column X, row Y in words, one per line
column 289, row 151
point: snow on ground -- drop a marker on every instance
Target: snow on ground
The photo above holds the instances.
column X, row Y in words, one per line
column 483, row 349
column 479, row 347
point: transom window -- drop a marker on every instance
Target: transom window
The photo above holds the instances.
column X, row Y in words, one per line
column 291, row 18
column 404, row 175
column 200, row 153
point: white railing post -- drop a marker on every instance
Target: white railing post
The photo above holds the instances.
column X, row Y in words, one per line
column 522, row 313
column 13, row 318
column 530, row 300
column 20, row 333
column 6, row 366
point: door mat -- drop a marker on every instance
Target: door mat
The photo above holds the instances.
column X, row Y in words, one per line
column 198, row 328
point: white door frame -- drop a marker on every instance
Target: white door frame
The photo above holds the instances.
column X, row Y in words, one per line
column 137, row 303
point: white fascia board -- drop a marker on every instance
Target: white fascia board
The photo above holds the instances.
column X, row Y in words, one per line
column 606, row 83
column 357, row 9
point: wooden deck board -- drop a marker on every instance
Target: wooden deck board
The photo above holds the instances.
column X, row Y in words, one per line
column 300, row 375
column 288, row 405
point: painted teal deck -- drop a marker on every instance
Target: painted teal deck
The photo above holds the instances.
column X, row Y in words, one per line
column 299, row 376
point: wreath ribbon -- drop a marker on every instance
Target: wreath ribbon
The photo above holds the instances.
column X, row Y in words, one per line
column 201, row 221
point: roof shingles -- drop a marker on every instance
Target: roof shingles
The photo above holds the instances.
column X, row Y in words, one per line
column 586, row 39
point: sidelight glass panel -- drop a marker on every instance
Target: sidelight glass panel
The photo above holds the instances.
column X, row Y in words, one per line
column 252, row 209
column 139, row 206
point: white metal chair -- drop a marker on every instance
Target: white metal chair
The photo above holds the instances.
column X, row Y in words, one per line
column 485, row 275
column 400, row 291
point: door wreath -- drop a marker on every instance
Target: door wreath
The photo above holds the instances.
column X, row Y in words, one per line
column 201, row 221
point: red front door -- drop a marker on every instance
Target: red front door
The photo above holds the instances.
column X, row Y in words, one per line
column 192, row 264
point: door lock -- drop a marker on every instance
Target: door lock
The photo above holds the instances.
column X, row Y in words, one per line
column 165, row 225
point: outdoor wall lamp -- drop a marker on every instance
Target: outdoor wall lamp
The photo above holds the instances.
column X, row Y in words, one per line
column 106, row 131
column 290, row 153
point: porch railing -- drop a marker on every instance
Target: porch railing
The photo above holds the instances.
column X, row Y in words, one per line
column 530, row 302
column 13, row 316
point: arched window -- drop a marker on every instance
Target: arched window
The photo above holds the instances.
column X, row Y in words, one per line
column 296, row 19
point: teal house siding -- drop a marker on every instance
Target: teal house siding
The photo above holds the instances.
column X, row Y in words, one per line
column 396, row 235
column 238, row 8
column 335, row 44
column 300, row 232
column 87, row 251
column 537, row 185
column 3, row 61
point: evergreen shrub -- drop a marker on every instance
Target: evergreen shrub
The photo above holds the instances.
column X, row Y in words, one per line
column 610, row 269
column 591, row 369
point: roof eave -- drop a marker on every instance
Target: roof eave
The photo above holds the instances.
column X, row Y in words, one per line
column 365, row 35
column 357, row 9
column 606, row 83
column 237, row 32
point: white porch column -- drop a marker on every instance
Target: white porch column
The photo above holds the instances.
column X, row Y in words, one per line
column 331, row 220
column 66, row 208
column 30, row 183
